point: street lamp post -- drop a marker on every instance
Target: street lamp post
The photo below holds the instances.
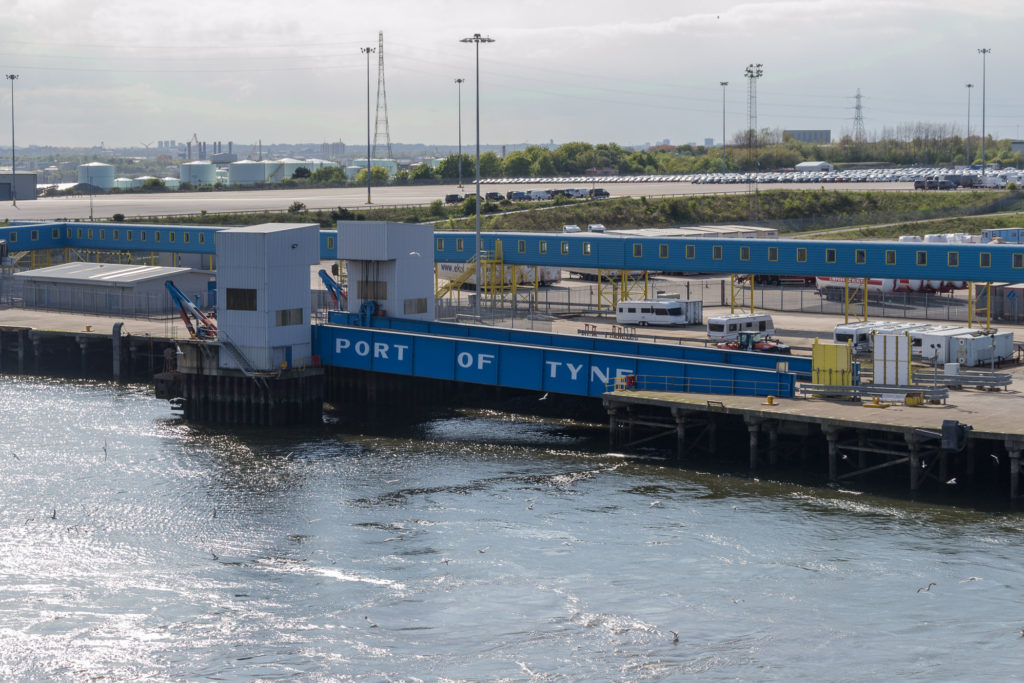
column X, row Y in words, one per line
column 477, row 38
column 983, row 52
column 367, row 51
column 14, row 183
column 723, row 84
column 459, row 82
column 968, row 155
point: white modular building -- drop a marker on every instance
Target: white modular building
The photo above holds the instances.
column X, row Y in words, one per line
column 390, row 268
column 97, row 174
column 263, row 301
column 110, row 288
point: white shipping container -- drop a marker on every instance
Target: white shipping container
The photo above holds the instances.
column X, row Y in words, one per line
column 891, row 359
column 973, row 350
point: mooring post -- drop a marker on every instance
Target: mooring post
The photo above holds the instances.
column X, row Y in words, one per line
column 680, row 416
column 773, row 443
column 915, row 460
column 115, row 343
column 1013, row 449
column 832, row 435
column 753, row 428
column 613, row 427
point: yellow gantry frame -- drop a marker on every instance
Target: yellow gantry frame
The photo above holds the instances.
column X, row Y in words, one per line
column 733, row 291
column 846, row 300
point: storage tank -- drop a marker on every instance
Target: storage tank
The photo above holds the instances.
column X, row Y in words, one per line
column 198, row 173
column 283, row 168
column 122, row 183
column 247, row 172
column 95, row 173
column 141, row 180
column 171, row 183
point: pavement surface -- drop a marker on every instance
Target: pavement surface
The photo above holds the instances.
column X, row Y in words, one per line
column 139, row 206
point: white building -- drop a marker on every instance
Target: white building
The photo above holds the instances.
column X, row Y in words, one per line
column 263, row 302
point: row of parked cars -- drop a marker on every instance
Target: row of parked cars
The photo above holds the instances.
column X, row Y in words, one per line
column 994, row 178
column 532, row 195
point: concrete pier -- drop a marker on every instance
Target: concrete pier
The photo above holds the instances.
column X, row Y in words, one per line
column 840, row 441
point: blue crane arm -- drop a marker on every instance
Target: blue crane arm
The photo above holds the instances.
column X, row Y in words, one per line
column 333, row 288
column 204, row 327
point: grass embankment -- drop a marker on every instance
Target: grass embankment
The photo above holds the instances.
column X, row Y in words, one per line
column 803, row 207
column 972, row 225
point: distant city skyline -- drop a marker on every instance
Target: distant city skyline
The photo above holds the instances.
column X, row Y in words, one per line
column 129, row 74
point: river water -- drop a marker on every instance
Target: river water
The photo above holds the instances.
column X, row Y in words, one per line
column 469, row 548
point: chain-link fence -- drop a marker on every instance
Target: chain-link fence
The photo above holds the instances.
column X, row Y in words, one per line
column 583, row 299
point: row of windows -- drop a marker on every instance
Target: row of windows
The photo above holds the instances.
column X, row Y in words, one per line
column 91, row 233
column 859, row 256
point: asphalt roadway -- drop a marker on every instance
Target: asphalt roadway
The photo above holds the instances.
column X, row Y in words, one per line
column 136, row 207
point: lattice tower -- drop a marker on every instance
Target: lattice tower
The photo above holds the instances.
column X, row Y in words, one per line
column 858, row 119
column 380, row 127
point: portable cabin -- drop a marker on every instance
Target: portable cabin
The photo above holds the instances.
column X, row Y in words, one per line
column 660, row 312
column 728, row 326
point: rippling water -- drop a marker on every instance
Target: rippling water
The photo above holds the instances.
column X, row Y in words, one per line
column 481, row 547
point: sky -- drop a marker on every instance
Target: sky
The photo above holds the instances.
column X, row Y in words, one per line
column 127, row 73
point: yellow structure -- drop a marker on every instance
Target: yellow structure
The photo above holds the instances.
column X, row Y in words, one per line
column 832, row 364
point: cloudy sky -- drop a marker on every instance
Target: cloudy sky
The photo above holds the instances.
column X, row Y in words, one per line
column 125, row 72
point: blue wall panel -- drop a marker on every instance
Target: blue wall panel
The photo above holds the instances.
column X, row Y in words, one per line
column 522, row 367
column 579, row 373
column 801, row 365
column 434, row 358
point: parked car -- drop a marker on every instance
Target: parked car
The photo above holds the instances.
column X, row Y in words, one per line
column 493, row 197
column 599, row 193
column 452, row 198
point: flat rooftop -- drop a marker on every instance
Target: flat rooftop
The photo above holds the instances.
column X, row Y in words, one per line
column 112, row 274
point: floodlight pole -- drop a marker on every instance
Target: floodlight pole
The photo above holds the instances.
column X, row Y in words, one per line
column 983, row 52
column 14, row 181
column 367, row 51
column 477, row 38
column 723, row 84
column 459, row 82
column 968, row 154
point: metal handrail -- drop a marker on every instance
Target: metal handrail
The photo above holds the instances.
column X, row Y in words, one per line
column 701, row 385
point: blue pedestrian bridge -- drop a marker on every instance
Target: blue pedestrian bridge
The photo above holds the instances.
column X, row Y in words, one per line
column 988, row 262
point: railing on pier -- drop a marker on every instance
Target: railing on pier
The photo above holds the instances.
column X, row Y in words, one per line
column 704, row 385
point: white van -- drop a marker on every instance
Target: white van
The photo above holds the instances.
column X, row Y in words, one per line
column 571, row 228
column 659, row 312
column 538, row 194
column 728, row 327
column 595, row 227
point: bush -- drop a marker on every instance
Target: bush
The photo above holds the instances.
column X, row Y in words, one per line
column 296, row 207
column 118, row 217
column 437, row 208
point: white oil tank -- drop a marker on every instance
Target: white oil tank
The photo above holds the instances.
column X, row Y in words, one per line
column 171, row 183
column 98, row 174
column 247, row 172
column 198, row 173
column 123, row 183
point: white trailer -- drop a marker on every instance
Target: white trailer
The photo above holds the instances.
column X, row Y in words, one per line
column 728, row 327
column 973, row 350
column 857, row 334
column 660, row 312
column 936, row 343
